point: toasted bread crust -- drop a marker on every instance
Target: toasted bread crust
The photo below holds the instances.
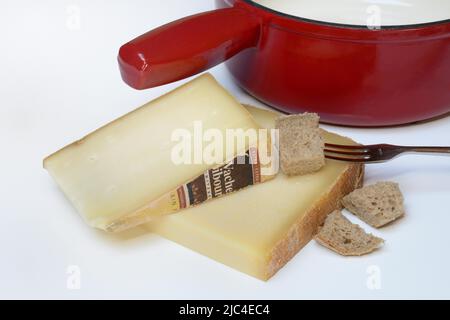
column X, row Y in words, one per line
column 377, row 205
column 346, row 238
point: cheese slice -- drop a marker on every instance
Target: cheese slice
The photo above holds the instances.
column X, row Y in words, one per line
column 258, row 230
column 119, row 175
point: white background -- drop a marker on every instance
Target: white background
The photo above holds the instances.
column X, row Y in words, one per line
column 59, row 81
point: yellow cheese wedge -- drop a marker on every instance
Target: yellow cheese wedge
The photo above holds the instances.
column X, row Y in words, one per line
column 115, row 175
column 259, row 229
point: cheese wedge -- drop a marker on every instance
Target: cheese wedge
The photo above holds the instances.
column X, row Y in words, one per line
column 259, row 229
column 124, row 173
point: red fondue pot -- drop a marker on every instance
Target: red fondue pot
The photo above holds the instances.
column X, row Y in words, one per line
column 348, row 74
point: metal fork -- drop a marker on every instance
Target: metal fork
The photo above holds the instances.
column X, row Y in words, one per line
column 376, row 152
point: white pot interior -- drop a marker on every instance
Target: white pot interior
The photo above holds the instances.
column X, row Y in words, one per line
column 370, row 13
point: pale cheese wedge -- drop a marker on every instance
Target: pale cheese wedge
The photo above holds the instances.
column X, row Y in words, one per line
column 120, row 175
column 259, row 229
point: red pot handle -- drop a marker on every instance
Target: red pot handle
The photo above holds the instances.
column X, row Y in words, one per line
column 187, row 46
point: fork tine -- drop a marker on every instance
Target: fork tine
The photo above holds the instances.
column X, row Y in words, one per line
column 350, row 153
column 358, row 160
column 340, row 146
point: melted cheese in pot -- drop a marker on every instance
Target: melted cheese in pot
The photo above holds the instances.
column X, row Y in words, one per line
column 364, row 12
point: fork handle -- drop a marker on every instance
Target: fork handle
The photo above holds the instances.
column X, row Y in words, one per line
column 440, row 150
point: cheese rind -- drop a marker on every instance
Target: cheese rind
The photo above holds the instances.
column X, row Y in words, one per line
column 258, row 230
column 123, row 167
